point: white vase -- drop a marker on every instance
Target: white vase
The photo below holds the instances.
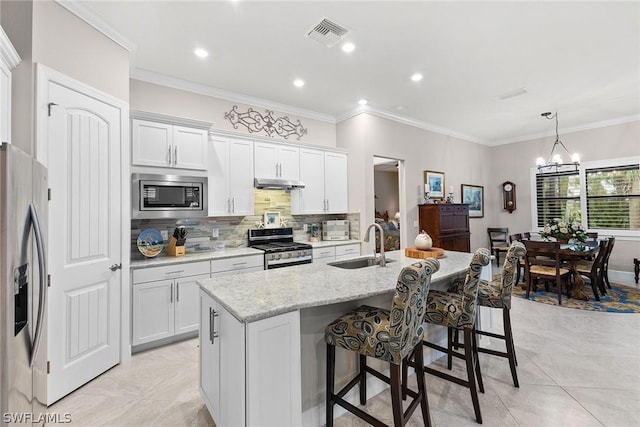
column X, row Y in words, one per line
column 423, row 241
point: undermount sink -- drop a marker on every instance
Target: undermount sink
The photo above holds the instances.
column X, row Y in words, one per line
column 358, row 263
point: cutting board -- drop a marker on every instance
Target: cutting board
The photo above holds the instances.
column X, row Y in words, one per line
column 419, row 253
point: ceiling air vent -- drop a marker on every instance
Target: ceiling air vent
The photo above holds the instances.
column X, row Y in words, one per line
column 327, row 32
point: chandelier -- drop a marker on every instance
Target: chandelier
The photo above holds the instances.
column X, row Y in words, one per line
column 554, row 163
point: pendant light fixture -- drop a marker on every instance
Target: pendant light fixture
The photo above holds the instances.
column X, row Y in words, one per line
column 555, row 162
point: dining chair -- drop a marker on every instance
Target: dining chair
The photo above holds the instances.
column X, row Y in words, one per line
column 517, row 237
column 592, row 235
column 542, row 262
column 389, row 336
column 526, row 235
column 605, row 266
column 593, row 269
column 498, row 241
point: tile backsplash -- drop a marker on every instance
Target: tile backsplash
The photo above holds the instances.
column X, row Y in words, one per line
column 232, row 231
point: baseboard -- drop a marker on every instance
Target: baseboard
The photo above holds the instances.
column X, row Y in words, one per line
column 622, row 278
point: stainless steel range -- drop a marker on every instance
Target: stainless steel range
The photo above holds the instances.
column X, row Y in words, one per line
column 279, row 248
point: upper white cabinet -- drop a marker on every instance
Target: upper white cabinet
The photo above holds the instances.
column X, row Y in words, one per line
column 276, row 161
column 9, row 59
column 230, row 180
column 167, row 145
column 324, row 174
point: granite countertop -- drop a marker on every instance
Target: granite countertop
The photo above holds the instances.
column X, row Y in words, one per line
column 328, row 243
column 254, row 296
column 193, row 257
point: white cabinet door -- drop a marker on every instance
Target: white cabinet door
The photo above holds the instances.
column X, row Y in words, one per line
column 266, row 160
column 186, row 303
column 347, row 251
column 189, row 148
column 273, row 371
column 324, row 255
column 209, row 356
column 153, row 313
column 310, row 199
column 231, row 338
column 218, row 177
column 240, row 177
column 151, row 143
column 289, row 162
column 335, row 182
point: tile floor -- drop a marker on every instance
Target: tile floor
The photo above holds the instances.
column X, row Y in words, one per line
column 576, row 368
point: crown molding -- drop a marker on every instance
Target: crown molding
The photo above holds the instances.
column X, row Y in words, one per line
column 366, row 109
column 588, row 126
column 98, row 23
column 8, row 53
column 171, row 120
column 202, row 89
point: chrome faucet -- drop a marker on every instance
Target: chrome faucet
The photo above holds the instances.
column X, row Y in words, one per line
column 383, row 261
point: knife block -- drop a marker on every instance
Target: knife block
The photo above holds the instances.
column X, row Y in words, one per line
column 173, row 250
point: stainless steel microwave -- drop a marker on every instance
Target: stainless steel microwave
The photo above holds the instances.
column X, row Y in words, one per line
column 168, row 196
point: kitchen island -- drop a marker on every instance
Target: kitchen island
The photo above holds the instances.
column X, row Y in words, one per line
column 262, row 351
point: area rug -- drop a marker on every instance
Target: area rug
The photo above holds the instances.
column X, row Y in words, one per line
column 619, row 299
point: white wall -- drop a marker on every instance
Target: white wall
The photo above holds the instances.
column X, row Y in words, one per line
column 512, row 162
column 155, row 98
column 366, row 136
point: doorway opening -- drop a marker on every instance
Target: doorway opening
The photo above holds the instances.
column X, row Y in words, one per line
column 388, row 203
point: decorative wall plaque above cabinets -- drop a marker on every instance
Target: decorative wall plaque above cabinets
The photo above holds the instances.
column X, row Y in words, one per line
column 255, row 121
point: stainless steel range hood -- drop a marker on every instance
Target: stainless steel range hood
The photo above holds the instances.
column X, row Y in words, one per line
column 277, row 184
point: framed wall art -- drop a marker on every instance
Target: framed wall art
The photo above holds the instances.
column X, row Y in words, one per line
column 473, row 195
column 434, row 184
column 271, row 219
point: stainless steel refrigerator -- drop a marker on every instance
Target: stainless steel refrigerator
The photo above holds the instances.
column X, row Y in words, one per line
column 23, row 275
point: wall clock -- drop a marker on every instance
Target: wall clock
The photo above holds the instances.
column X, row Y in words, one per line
column 509, row 196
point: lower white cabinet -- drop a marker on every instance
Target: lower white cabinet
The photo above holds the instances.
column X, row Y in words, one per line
column 326, row 254
column 169, row 306
column 250, row 373
column 347, row 251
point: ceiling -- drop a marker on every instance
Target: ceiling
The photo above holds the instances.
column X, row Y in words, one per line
column 581, row 59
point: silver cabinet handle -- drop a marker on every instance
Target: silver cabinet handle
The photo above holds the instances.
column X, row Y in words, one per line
column 229, row 205
column 175, row 155
column 233, row 205
column 212, row 324
column 42, row 274
column 178, row 291
column 170, row 157
column 115, row 267
column 327, row 205
column 171, row 297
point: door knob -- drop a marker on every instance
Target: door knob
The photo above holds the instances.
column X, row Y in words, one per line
column 115, row 267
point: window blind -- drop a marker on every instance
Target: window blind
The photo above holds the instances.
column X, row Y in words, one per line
column 558, row 196
column 613, row 197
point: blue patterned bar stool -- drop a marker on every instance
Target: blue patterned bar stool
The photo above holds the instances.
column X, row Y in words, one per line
column 457, row 311
column 388, row 335
column 498, row 295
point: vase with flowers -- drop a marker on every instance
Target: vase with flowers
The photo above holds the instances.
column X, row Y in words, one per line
column 564, row 230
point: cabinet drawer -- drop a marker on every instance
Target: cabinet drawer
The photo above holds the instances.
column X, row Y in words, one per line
column 324, row 252
column 352, row 250
column 453, row 208
column 171, row 271
column 237, row 263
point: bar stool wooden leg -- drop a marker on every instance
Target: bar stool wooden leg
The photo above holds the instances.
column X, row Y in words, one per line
column 468, row 351
column 331, row 371
column 424, row 403
column 362, row 388
column 511, row 351
column 476, row 361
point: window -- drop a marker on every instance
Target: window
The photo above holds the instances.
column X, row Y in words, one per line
column 613, row 197
column 603, row 195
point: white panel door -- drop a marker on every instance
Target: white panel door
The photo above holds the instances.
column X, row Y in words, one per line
column 153, row 311
column 310, row 199
column 335, row 182
column 266, row 160
column 218, row 177
column 209, row 378
column 84, row 239
column 151, row 143
column 240, row 178
column 189, row 148
column 186, row 304
column 289, row 162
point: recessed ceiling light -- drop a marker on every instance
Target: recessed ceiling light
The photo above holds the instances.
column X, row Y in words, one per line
column 416, row 77
column 348, row 47
column 201, row 53
column 363, row 102
column 298, row 83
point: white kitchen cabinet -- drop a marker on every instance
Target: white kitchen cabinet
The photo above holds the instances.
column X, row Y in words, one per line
column 276, row 161
column 242, row 363
column 245, row 264
column 347, row 251
column 230, row 180
column 165, row 301
column 168, row 146
column 324, row 174
column 324, row 254
column 9, row 59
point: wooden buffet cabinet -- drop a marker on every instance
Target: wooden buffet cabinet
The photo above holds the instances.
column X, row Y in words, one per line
column 447, row 224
